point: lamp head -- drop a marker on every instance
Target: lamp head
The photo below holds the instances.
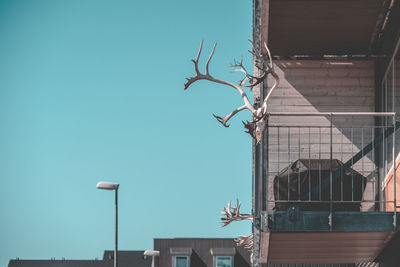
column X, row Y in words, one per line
column 107, row 185
column 153, row 253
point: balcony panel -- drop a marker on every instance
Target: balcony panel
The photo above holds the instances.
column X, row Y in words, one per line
column 322, row 247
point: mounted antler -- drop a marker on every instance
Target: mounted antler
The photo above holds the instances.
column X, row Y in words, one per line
column 245, row 241
column 257, row 125
column 231, row 214
column 207, row 76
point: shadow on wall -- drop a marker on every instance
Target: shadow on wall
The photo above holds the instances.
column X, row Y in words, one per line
column 196, row 260
column 325, row 86
column 240, row 261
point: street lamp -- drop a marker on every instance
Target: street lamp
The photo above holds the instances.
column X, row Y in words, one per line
column 112, row 186
column 152, row 254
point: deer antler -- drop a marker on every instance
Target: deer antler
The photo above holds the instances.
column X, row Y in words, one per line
column 274, row 75
column 233, row 214
column 207, row 76
column 245, row 241
column 257, row 125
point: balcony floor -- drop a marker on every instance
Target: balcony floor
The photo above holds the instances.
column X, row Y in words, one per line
column 322, row 247
column 305, row 237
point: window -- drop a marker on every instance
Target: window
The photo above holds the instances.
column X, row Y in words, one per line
column 181, row 261
column 181, row 257
column 223, row 261
column 223, row 257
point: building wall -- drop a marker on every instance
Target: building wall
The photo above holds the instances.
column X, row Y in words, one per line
column 322, row 86
column 390, row 102
column 125, row 259
column 201, row 254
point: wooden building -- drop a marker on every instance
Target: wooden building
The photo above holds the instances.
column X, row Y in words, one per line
column 200, row 252
column 338, row 101
column 173, row 252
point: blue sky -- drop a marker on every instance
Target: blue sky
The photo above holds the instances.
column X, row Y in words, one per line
column 93, row 90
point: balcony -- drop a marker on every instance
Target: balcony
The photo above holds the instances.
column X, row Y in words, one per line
column 330, row 194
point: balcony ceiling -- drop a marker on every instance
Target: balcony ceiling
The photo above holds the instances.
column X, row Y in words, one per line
column 321, row 27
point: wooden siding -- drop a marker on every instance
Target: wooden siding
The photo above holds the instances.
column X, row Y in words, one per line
column 333, row 247
column 322, row 86
column 201, row 251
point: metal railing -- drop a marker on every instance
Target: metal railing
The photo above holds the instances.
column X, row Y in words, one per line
column 328, row 165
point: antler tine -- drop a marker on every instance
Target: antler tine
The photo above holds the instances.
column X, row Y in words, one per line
column 276, row 77
column 236, row 64
column 196, row 67
column 242, row 82
column 241, row 68
column 250, row 127
column 229, row 208
column 254, row 52
column 224, row 120
column 269, row 55
column 209, row 58
column 265, row 66
column 245, row 241
column 252, row 45
column 238, row 204
column 236, row 208
column 196, row 62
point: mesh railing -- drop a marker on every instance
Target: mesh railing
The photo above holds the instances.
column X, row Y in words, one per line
column 329, row 165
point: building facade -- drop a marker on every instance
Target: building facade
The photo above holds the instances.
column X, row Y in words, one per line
column 174, row 252
column 323, row 188
column 201, row 252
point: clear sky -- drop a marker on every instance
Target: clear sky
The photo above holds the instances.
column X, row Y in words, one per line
column 92, row 90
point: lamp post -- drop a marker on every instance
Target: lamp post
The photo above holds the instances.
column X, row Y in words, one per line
column 153, row 254
column 112, row 186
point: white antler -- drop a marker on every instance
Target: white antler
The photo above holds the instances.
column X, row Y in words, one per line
column 207, row 76
column 274, row 75
column 233, row 214
column 245, row 241
column 257, row 125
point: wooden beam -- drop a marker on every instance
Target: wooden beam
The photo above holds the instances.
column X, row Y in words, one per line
column 265, row 239
column 264, row 24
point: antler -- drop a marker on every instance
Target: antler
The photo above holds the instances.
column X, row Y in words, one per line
column 207, row 76
column 273, row 74
column 245, row 241
column 233, row 214
column 265, row 66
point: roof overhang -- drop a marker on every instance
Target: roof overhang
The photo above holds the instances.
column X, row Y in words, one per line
column 320, row 27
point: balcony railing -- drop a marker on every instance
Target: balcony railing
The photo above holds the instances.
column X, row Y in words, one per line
column 331, row 161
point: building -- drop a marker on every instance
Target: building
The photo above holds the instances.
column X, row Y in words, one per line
column 125, row 259
column 201, row 252
column 174, row 252
column 332, row 131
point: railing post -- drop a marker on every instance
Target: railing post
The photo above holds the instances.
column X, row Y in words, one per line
column 330, row 174
column 264, row 224
column 394, row 173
